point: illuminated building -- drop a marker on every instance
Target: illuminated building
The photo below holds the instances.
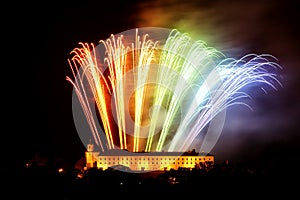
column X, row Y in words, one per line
column 150, row 161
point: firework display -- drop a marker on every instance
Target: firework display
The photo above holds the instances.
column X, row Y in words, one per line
column 160, row 95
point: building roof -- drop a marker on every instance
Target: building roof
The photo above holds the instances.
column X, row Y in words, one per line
column 120, row 152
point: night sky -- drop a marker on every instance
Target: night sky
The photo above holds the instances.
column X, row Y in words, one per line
column 45, row 34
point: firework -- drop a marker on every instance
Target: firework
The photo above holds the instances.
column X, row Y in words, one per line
column 159, row 95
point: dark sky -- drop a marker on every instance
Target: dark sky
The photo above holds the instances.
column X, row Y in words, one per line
column 45, row 34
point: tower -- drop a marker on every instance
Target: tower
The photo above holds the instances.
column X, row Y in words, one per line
column 90, row 156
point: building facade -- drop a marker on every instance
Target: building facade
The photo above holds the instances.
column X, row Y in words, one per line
column 146, row 161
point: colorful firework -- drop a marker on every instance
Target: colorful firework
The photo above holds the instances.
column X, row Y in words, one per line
column 159, row 95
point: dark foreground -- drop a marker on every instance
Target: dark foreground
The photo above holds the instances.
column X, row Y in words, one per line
column 46, row 183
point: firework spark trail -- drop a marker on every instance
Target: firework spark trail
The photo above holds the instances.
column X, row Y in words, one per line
column 165, row 82
column 166, row 79
column 117, row 63
column 116, row 59
column 143, row 55
column 83, row 56
column 191, row 60
column 235, row 74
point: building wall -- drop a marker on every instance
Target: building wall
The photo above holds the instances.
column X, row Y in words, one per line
column 146, row 163
column 153, row 162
